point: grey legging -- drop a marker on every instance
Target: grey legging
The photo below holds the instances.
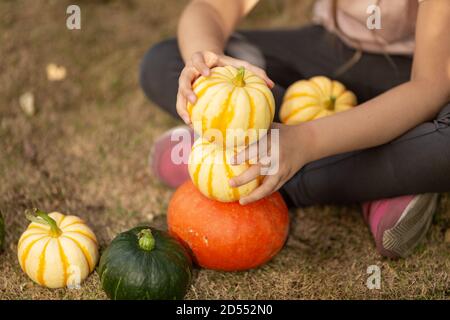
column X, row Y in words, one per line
column 417, row 162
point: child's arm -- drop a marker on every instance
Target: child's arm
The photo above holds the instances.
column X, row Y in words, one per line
column 205, row 25
column 402, row 108
column 377, row 121
column 203, row 31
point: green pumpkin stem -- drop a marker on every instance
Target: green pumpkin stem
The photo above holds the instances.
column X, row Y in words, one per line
column 146, row 240
column 39, row 216
column 332, row 103
column 239, row 79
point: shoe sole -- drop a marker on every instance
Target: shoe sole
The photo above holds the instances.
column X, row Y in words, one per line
column 154, row 161
column 412, row 227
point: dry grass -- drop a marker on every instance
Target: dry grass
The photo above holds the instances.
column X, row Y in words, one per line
column 85, row 152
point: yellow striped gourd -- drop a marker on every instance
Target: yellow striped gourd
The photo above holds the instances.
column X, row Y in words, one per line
column 231, row 98
column 57, row 250
column 210, row 172
column 315, row 98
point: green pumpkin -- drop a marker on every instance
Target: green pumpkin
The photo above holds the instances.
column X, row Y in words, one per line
column 145, row 264
column 2, row 232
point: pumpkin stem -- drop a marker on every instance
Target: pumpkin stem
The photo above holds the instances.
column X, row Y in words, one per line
column 39, row 216
column 332, row 103
column 146, row 240
column 239, row 79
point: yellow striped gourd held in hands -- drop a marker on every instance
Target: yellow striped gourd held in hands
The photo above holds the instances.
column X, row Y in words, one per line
column 315, row 98
column 231, row 98
column 210, row 172
column 57, row 250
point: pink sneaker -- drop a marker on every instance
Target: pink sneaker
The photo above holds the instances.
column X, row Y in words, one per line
column 169, row 159
column 399, row 224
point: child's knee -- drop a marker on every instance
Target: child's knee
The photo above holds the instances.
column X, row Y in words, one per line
column 154, row 66
column 445, row 112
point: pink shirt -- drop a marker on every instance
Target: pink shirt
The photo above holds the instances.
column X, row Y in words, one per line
column 398, row 21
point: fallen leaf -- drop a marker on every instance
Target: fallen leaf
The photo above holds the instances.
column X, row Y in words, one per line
column 26, row 102
column 149, row 217
column 55, row 72
column 447, row 236
column 26, row 285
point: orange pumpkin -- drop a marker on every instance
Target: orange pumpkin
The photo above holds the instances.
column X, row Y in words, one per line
column 228, row 236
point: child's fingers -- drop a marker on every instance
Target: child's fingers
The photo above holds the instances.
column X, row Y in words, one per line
column 261, row 73
column 211, row 59
column 199, row 63
column 256, row 70
column 181, row 108
column 187, row 76
column 241, row 63
column 251, row 152
column 268, row 186
column 245, row 177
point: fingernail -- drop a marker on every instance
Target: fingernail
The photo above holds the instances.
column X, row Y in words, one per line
column 231, row 183
column 192, row 98
column 241, row 202
column 206, row 72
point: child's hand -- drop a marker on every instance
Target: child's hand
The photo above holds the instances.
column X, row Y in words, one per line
column 290, row 157
column 200, row 64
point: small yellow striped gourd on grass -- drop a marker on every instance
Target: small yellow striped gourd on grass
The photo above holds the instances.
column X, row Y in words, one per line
column 210, row 172
column 315, row 98
column 231, row 98
column 57, row 250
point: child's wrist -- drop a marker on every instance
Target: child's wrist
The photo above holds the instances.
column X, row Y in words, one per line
column 307, row 136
